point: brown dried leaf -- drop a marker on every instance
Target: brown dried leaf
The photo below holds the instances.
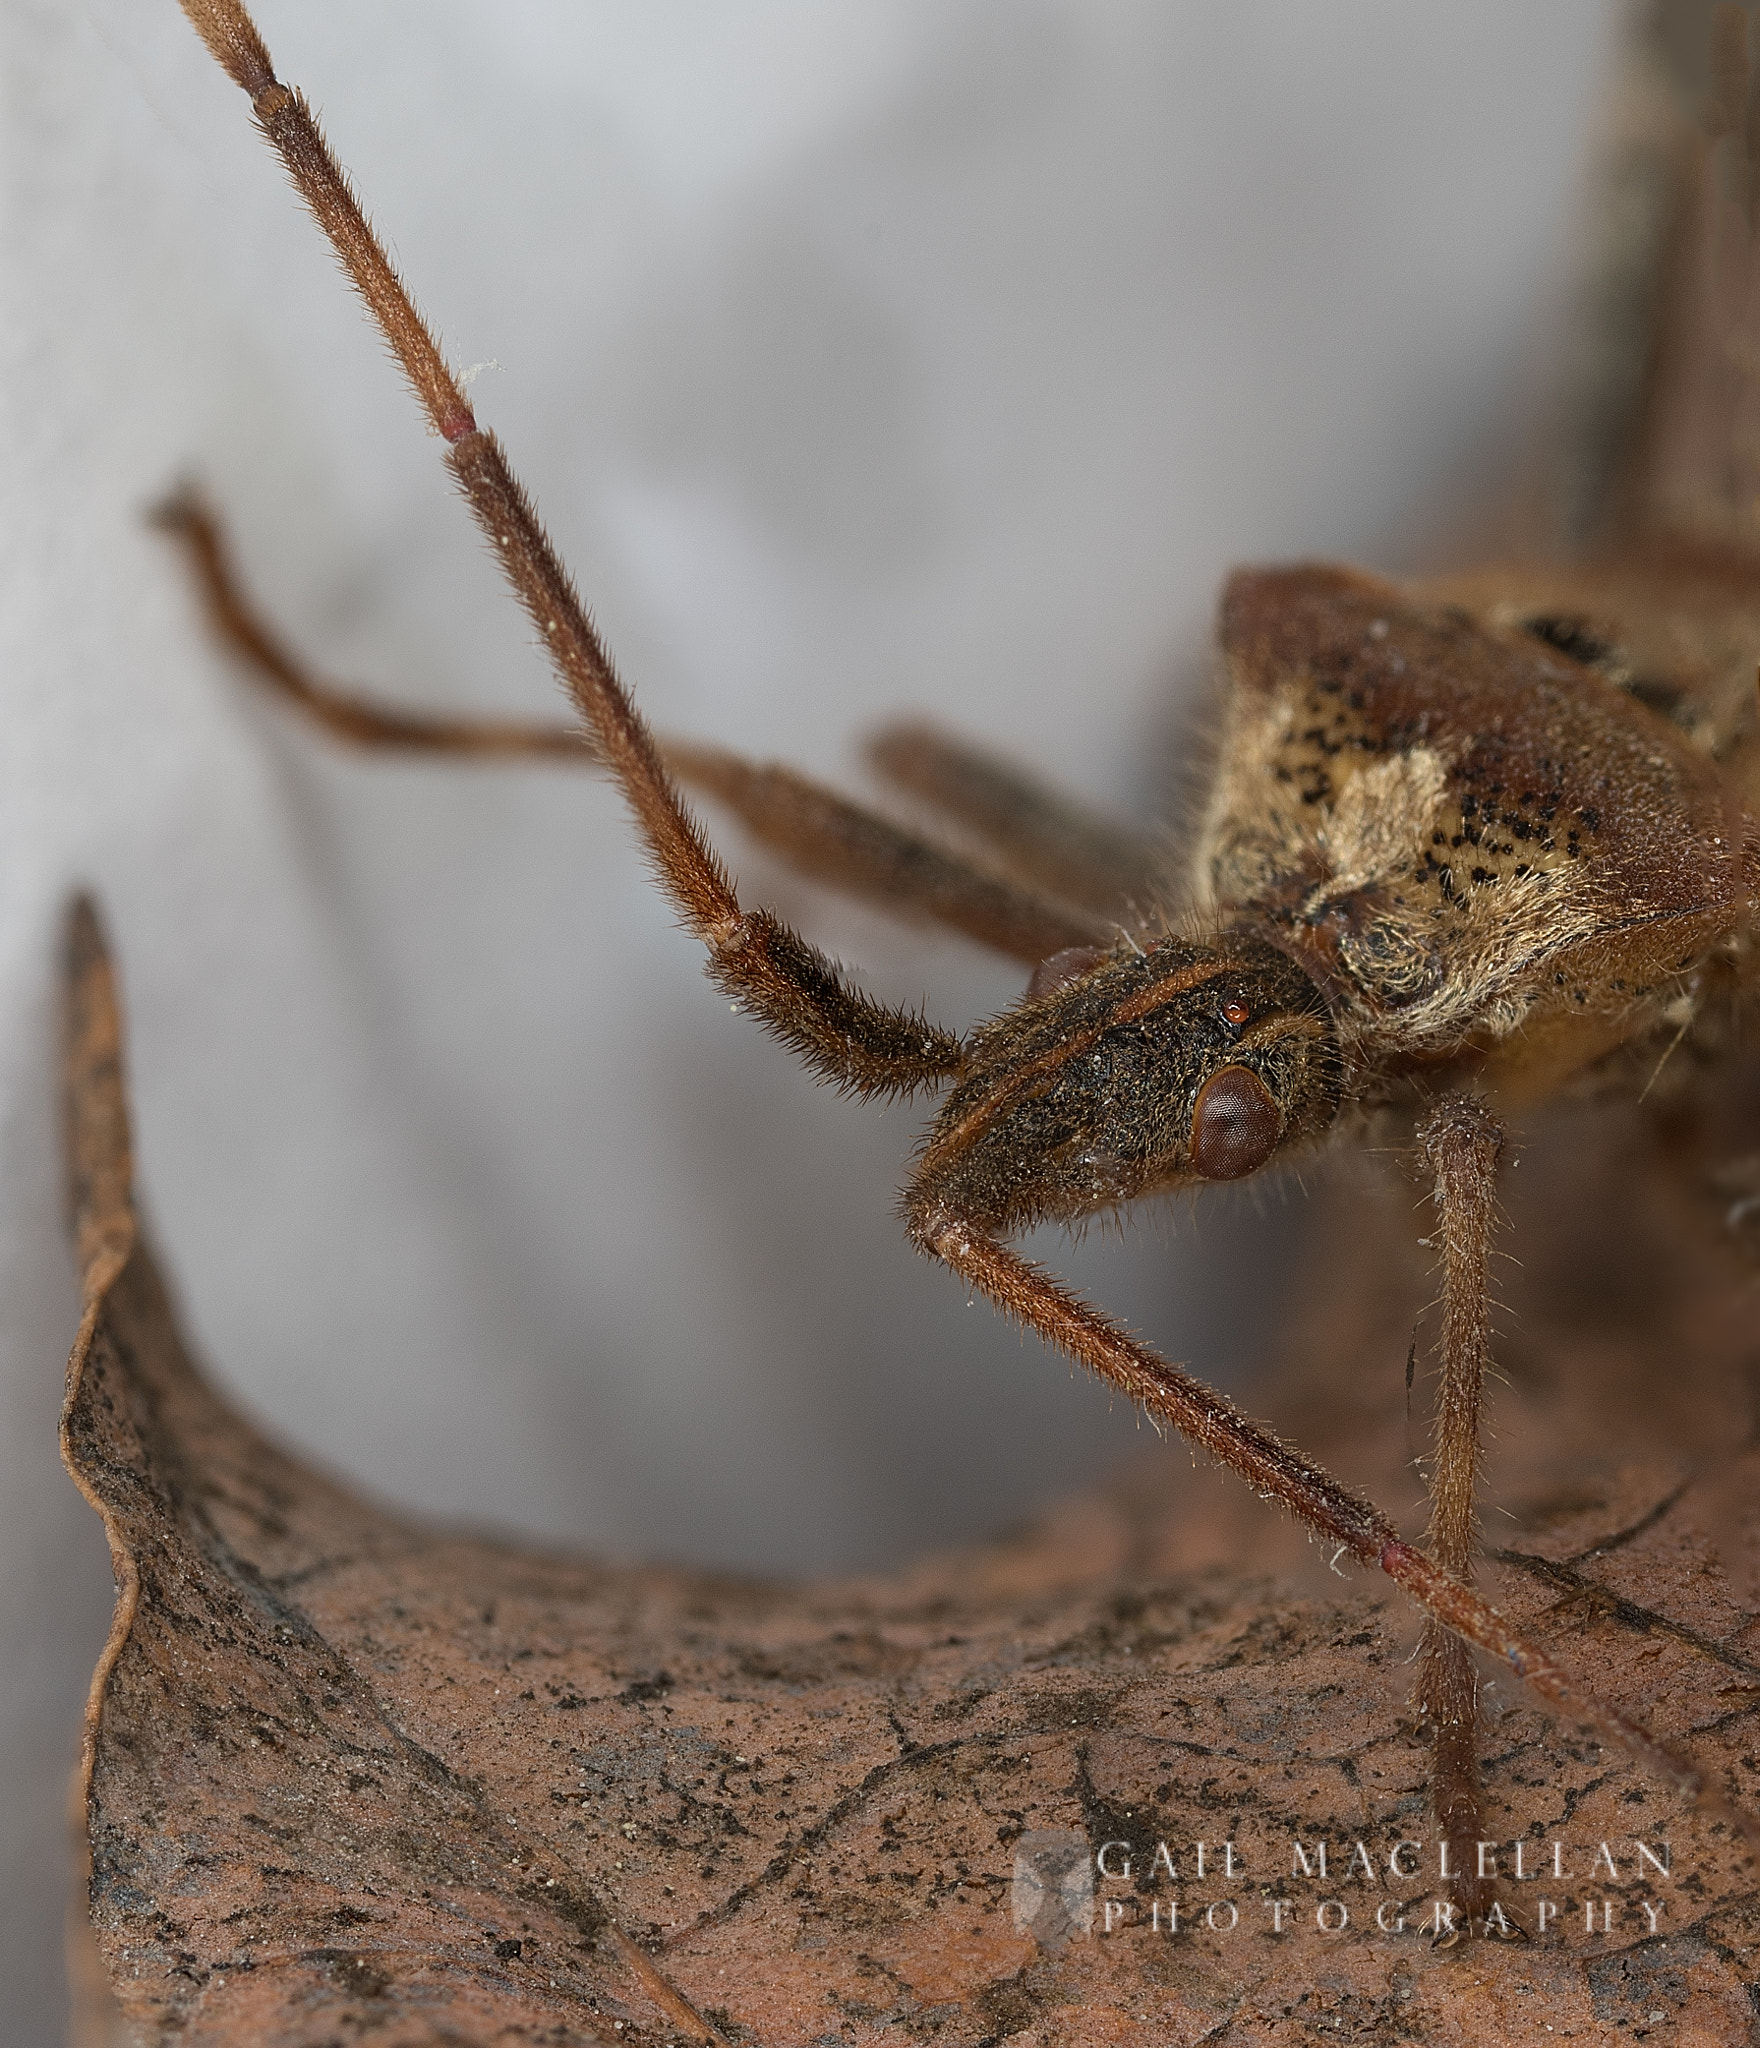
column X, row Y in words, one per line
column 348, row 1777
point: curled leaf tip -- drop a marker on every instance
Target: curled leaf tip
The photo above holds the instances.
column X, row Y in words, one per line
column 99, row 1164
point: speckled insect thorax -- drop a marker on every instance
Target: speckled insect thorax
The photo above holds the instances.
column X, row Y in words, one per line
column 1484, row 851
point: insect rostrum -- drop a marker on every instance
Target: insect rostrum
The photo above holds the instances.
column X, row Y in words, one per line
column 1443, row 854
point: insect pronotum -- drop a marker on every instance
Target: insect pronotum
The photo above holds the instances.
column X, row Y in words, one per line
column 1448, row 863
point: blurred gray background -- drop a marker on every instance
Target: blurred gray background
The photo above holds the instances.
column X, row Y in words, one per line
column 862, row 358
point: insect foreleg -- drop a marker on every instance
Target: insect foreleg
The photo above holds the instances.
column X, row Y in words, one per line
column 1078, row 853
column 1279, row 1472
column 820, row 833
column 851, row 848
column 347, row 715
column 1462, row 1143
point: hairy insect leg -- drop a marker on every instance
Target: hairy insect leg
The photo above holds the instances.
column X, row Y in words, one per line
column 1281, row 1473
column 347, row 715
column 817, row 831
column 1042, row 834
column 853, row 849
column 1462, row 1143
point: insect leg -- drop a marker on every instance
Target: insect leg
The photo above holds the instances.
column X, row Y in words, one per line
column 348, row 715
column 1282, row 1474
column 1462, row 1142
column 854, row 849
column 822, row 834
column 1060, row 843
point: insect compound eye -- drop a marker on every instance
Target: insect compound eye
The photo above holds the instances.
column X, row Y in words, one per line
column 1235, row 1125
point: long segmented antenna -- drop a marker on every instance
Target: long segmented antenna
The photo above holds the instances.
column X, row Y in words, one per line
column 796, row 991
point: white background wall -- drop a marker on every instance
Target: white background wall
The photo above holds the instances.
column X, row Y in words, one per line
column 864, row 357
